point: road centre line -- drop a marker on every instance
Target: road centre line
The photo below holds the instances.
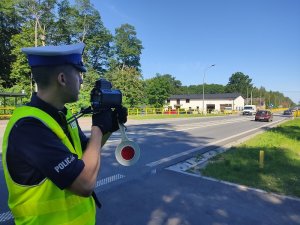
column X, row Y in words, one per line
column 169, row 158
column 218, row 121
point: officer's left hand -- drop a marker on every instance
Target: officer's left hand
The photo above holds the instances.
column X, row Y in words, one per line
column 119, row 115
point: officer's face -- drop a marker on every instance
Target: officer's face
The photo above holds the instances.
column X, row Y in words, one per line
column 73, row 83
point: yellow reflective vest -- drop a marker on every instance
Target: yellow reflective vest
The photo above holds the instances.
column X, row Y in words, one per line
column 45, row 203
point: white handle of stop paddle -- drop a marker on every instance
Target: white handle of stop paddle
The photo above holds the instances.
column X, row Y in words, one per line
column 126, row 142
column 123, row 133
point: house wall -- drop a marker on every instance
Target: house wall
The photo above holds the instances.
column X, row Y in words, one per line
column 196, row 104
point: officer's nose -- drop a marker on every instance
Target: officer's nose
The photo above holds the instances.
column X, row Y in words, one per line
column 80, row 78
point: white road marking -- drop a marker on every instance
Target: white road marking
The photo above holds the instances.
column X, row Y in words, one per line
column 110, row 179
column 6, row 216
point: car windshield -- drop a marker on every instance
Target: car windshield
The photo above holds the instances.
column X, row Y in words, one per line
column 248, row 107
column 261, row 112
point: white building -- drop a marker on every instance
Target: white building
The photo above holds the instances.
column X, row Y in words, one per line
column 211, row 102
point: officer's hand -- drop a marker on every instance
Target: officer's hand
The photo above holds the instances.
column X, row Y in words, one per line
column 103, row 120
column 119, row 115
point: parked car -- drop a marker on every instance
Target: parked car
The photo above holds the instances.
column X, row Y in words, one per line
column 295, row 108
column 287, row 112
column 264, row 115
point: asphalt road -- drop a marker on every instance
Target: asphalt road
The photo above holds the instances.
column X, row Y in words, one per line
column 162, row 143
column 168, row 141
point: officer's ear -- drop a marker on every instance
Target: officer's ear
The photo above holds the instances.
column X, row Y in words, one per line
column 63, row 73
column 61, row 78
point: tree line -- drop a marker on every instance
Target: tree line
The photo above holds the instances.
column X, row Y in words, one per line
column 116, row 57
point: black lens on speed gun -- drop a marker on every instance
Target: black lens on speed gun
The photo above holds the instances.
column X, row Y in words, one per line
column 104, row 97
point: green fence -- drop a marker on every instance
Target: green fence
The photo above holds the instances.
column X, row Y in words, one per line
column 6, row 112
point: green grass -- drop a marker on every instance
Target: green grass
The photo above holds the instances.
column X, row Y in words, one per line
column 281, row 171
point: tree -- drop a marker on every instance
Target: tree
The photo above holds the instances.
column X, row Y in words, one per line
column 174, row 84
column 240, row 83
column 159, row 89
column 129, row 81
column 214, row 88
column 82, row 23
column 21, row 72
column 127, row 48
column 41, row 14
column 35, row 18
column 64, row 30
column 41, row 24
column 191, row 89
column 90, row 30
column 9, row 26
column 197, row 89
column 98, row 46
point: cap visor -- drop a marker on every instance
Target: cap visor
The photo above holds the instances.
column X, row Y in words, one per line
column 80, row 68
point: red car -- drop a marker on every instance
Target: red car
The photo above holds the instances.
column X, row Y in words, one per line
column 264, row 115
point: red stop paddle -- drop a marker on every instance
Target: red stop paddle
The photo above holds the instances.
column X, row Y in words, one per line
column 128, row 152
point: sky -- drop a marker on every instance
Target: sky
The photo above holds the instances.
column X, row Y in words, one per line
column 260, row 38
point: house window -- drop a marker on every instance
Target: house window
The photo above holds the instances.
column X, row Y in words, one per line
column 168, row 100
column 178, row 102
column 187, row 101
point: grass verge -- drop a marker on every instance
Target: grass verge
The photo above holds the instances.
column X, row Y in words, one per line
column 281, row 171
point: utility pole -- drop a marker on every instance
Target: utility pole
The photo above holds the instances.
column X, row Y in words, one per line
column 203, row 86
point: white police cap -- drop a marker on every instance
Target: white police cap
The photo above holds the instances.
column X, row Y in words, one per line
column 56, row 55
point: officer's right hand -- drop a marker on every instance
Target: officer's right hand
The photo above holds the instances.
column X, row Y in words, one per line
column 119, row 115
column 103, row 120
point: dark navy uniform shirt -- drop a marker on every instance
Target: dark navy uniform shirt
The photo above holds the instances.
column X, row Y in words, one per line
column 35, row 152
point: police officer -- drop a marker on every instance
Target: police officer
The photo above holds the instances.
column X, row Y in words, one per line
column 50, row 166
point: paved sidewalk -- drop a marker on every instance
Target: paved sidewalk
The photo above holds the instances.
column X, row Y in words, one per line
column 174, row 198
